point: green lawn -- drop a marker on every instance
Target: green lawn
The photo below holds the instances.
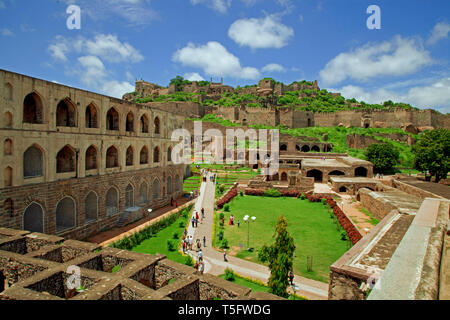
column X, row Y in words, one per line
column 314, row 232
column 158, row 243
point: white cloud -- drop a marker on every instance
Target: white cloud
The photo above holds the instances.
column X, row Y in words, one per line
column 214, row 59
column 435, row 95
column 193, row 76
column 117, row 89
column 107, row 47
column 7, row 33
column 136, row 13
column 391, row 58
column 217, row 5
column 93, row 70
column 273, row 67
column 261, row 33
column 439, row 32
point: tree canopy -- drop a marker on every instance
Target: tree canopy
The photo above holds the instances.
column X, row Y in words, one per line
column 432, row 152
column 384, row 156
column 280, row 256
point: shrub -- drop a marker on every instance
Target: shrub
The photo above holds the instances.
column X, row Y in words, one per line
column 227, row 208
column 189, row 261
column 241, row 194
column 224, row 244
column 220, row 235
column 229, row 275
column 176, row 236
column 171, row 245
column 221, row 216
column 273, row 193
column 181, row 225
column 324, row 201
column 303, row 197
column 222, row 188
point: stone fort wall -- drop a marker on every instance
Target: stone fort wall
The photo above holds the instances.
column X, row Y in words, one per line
column 59, row 145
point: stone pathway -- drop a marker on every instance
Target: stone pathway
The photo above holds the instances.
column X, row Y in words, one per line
column 214, row 261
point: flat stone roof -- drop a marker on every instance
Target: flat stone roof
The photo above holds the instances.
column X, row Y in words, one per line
column 324, row 163
column 355, row 161
column 404, row 202
column 353, row 180
column 435, row 188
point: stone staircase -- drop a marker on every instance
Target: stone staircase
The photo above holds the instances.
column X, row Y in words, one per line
column 123, row 218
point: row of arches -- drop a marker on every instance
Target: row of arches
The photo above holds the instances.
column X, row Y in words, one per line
column 66, row 159
column 67, row 115
column 66, row 209
column 318, row 175
column 306, row 148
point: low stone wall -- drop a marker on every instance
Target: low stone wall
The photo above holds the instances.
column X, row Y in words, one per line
column 377, row 206
column 413, row 190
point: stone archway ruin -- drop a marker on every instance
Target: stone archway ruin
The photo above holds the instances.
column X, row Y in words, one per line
column 33, row 218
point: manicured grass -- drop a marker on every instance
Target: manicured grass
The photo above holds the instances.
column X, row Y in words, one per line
column 373, row 221
column 248, row 284
column 314, row 232
column 158, row 243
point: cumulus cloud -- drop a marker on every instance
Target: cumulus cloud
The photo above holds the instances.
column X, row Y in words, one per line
column 439, row 32
column 273, row 67
column 261, row 33
column 193, row 76
column 391, row 58
column 217, row 5
column 434, row 95
column 214, row 59
column 107, row 47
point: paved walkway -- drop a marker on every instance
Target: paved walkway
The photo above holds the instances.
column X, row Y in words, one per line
column 214, row 260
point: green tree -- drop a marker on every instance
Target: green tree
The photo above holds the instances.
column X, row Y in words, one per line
column 280, row 256
column 431, row 153
column 384, row 156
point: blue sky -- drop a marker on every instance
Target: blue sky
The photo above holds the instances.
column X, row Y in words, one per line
column 240, row 40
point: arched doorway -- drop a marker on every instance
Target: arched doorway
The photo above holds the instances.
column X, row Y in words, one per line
column 129, row 161
column 144, row 124
column 65, row 160
column 360, row 172
column 130, row 122
column 343, row 190
column 144, row 155
column 112, row 120
column 112, row 158
column 91, row 207
column 143, row 193
column 91, row 116
column 315, row 149
column 66, row 114
column 156, row 157
column 283, row 147
column 316, row 174
column 65, row 214
column 129, row 197
column 91, row 158
column 156, row 189
column 157, row 126
column 32, row 162
column 32, row 109
column 336, row 173
column 284, row 176
column 112, row 202
column 33, row 218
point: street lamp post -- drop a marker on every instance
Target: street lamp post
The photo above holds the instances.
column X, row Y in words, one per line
column 247, row 219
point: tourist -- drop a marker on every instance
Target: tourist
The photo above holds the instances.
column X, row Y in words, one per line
column 197, row 217
column 203, row 213
column 191, row 240
column 200, row 254
column 291, row 277
column 184, row 246
column 193, row 222
column 225, row 255
column 239, row 223
column 201, row 267
column 199, row 246
column 204, row 241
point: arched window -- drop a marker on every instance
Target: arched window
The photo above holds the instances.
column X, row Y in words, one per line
column 112, row 120
column 297, row 147
column 157, row 126
column 8, row 119
column 33, row 218
column 112, row 158
column 9, row 207
column 8, row 147
column 91, row 116
column 66, row 114
column 143, row 193
column 342, row 189
column 32, row 109
column 32, row 163
column 112, row 202
column 169, row 154
column 65, row 214
column 8, row 177
column 130, row 156
column 306, row 148
column 129, row 196
column 177, row 184
column 156, row 189
column 9, row 91
column 169, row 185
column 284, row 176
column 144, row 155
column 315, row 149
column 91, row 158
column 144, row 124
column 283, row 147
column 65, row 160
column 130, row 122
column 156, row 157
column 336, row 173
column 91, row 207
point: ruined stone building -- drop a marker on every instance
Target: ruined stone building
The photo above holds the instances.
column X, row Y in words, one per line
column 73, row 162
